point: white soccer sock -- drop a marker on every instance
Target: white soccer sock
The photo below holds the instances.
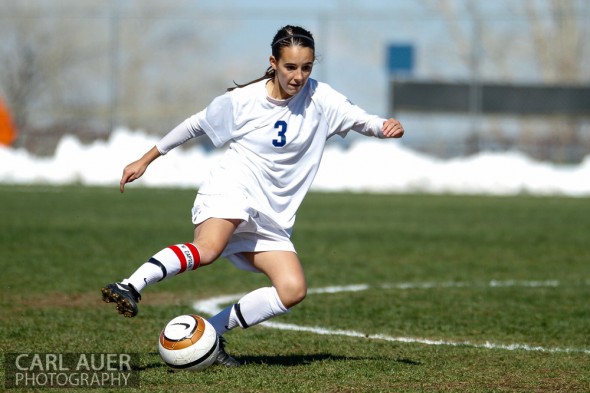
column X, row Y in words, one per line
column 255, row 307
column 145, row 275
column 166, row 263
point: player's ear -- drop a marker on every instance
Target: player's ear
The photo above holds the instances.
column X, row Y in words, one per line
column 273, row 62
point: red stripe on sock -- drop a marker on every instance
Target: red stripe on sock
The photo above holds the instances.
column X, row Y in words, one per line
column 196, row 255
column 181, row 257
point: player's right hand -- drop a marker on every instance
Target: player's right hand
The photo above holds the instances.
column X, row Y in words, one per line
column 131, row 173
column 137, row 168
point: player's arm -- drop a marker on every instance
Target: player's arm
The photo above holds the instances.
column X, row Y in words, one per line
column 176, row 137
column 137, row 168
column 343, row 115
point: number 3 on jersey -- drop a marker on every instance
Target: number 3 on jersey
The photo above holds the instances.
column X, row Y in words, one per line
column 282, row 139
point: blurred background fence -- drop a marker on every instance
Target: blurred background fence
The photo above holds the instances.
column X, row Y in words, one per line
column 85, row 67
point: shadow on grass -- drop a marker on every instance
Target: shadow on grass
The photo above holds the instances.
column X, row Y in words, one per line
column 289, row 360
column 300, row 360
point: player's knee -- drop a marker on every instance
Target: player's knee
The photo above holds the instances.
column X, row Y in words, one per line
column 208, row 251
column 292, row 292
column 212, row 236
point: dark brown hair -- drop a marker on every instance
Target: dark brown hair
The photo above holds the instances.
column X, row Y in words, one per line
column 286, row 36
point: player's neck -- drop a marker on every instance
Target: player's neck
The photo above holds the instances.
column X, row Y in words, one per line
column 274, row 91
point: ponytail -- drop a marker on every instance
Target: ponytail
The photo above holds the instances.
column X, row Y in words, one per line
column 269, row 74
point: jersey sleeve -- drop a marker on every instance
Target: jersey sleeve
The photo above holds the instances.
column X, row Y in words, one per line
column 344, row 116
column 217, row 120
column 178, row 135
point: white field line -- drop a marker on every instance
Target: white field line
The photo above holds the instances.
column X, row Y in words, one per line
column 214, row 305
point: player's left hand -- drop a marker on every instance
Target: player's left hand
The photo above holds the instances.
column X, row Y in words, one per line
column 392, row 128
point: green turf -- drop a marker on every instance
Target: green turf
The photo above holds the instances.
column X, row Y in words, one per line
column 478, row 272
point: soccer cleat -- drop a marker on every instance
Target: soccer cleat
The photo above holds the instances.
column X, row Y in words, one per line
column 223, row 358
column 126, row 297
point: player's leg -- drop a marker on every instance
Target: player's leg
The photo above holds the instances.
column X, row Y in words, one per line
column 288, row 288
column 211, row 238
column 285, row 272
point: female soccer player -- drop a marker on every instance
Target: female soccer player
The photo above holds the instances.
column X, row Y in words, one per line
column 275, row 129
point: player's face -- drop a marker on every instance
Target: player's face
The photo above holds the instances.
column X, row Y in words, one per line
column 292, row 70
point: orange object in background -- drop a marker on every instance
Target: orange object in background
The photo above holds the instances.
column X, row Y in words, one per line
column 7, row 130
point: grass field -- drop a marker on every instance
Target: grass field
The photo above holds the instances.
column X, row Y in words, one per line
column 460, row 293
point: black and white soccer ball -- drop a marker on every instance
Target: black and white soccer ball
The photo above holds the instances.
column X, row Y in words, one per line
column 188, row 342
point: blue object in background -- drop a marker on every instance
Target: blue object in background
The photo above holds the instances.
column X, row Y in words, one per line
column 400, row 59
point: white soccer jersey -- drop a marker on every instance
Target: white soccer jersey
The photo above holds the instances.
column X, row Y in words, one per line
column 274, row 147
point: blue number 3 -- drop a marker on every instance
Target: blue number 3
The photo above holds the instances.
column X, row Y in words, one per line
column 282, row 127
